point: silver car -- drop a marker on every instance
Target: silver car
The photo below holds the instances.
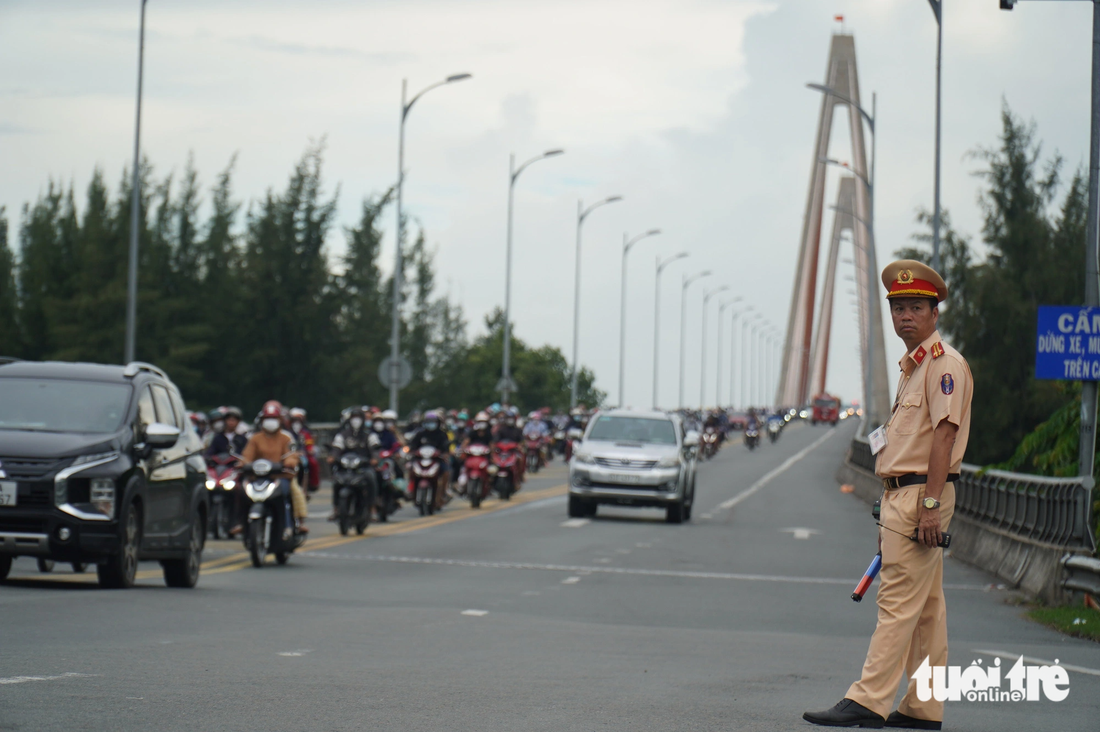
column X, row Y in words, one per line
column 629, row 458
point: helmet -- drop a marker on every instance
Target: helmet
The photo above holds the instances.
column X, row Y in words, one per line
column 198, row 418
column 233, row 412
column 430, row 416
column 216, row 414
column 389, row 414
column 298, row 413
column 535, row 415
column 463, row 416
column 576, row 411
column 481, row 417
column 272, row 408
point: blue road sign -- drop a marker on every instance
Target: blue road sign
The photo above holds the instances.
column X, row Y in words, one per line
column 1068, row 344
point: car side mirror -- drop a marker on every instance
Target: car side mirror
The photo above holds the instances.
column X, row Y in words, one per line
column 691, row 439
column 160, row 436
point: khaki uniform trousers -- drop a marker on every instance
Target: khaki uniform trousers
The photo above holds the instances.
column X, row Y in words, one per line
column 298, row 500
column 912, row 614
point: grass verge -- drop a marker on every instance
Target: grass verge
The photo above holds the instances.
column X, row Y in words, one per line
column 1081, row 622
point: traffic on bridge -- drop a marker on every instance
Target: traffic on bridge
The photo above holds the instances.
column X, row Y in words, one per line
column 395, row 452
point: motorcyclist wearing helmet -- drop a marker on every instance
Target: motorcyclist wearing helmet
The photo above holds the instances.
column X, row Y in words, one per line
column 217, row 442
column 300, row 429
column 272, row 442
column 357, row 437
column 235, row 429
column 479, row 433
column 432, row 433
column 508, row 431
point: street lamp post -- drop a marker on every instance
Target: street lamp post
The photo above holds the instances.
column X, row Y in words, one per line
column 937, row 10
column 703, row 343
column 627, row 244
column 395, row 329
column 733, row 357
column 746, row 398
column 505, row 385
column 685, row 284
column 718, row 369
column 582, row 214
column 657, row 318
column 135, row 210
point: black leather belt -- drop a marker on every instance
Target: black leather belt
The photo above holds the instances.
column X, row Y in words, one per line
column 913, row 479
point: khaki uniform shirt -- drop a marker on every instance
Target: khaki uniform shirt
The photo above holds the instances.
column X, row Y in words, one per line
column 272, row 447
column 935, row 385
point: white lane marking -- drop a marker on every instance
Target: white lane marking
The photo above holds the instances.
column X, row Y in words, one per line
column 582, row 570
column 295, row 654
column 604, row 560
column 59, row 677
column 1039, row 662
column 576, row 523
column 475, row 613
column 705, row 516
column 622, row 551
column 571, row 580
column 767, row 477
column 800, row 532
column 643, row 545
column 530, row 593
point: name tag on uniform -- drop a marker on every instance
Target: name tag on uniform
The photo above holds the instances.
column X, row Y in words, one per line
column 877, row 440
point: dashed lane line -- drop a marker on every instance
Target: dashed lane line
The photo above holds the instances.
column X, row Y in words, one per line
column 770, row 475
column 583, row 570
column 1039, row 662
column 59, row 677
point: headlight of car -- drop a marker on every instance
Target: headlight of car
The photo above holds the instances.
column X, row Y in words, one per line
column 668, row 462
column 584, row 458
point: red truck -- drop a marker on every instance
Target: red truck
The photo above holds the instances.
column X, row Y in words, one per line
column 826, row 409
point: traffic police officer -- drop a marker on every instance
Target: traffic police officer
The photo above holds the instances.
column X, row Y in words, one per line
column 919, row 453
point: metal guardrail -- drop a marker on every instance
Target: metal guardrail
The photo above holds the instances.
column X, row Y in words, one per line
column 1049, row 510
column 1082, row 573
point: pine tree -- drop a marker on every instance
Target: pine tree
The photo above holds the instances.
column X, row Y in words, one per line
column 11, row 338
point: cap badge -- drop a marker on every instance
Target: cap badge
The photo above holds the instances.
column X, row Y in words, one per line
column 905, row 276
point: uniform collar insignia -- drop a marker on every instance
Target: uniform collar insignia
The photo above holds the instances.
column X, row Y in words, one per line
column 937, row 350
column 919, row 354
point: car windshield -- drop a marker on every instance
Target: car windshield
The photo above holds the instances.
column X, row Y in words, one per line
column 53, row 405
column 633, row 429
column 826, row 404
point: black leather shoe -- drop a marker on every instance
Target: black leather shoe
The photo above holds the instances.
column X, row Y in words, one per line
column 846, row 713
column 897, row 719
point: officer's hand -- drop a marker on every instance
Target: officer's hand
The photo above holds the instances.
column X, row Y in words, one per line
column 928, row 530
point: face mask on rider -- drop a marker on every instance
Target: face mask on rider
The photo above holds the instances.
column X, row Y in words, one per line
column 379, row 426
column 218, row 426
column 296, row 426
column 270, row 424
column 356, row 423
column 431, row 425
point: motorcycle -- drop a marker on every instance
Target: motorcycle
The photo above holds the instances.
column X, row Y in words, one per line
column 424, row 475
column 774, row 428
column 572, row 437
column 558, row 443
column 355, row 492
column 387, row 501
column 504, row 469
column 221, row 481
column 710, row 443
column 270, row 527
column 475, row 473
column 752, row 438
column 534, row 454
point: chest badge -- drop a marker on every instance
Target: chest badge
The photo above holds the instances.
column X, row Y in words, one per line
column 947, row 384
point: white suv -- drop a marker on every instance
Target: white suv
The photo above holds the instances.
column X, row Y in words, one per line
column 629, row 458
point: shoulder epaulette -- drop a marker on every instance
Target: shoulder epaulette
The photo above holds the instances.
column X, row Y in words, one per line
column 937, row 350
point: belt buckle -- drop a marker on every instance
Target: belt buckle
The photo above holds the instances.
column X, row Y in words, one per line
column 890, row 483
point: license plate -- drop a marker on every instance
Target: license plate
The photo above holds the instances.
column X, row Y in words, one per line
column 8, row 493
column 626, row 479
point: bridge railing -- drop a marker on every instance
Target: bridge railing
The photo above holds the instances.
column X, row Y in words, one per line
column 1049, row 510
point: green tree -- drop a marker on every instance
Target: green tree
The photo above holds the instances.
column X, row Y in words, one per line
column 11, row 338
column 1033, row 258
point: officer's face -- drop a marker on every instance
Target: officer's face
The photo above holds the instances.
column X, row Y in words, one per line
column 914, row 319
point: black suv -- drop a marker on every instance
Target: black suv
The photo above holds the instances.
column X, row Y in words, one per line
column 99, row 464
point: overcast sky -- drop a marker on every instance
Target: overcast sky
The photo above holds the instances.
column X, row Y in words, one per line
column 695, row 111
